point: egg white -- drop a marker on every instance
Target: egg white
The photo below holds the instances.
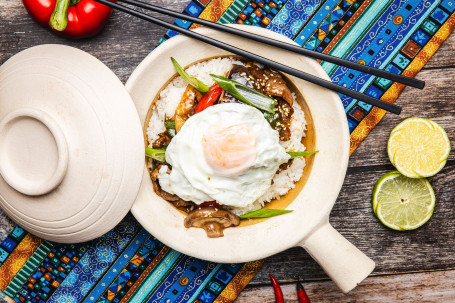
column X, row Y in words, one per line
column 192, row 178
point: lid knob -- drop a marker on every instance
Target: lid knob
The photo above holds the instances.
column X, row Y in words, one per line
column 33, row 151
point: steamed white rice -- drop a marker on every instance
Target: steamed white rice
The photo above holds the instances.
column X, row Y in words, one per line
column 170, row 97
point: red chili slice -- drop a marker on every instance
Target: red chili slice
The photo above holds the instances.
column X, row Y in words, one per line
column 209, row 98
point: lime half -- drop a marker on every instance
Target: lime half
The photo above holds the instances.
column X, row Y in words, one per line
column 403, row 203
column 418, row 147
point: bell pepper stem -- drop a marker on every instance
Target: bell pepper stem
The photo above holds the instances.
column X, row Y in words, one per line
column 59, row 18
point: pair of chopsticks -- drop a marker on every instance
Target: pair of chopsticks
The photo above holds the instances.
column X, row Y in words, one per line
column 273, row 64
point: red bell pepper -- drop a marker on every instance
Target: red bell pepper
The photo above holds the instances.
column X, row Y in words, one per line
column 69, row 18
column 209, row 98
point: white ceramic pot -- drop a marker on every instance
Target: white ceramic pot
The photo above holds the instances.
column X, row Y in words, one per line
column 308, row 225
column 72, row 156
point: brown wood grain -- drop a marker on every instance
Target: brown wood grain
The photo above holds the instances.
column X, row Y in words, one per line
column 427, row 248
column 405, row 288
column 414, row 266
column 436, row 101
column 445, row 55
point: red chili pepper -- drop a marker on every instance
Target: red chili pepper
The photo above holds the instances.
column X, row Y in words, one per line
column 278, row 292
column 69, row 18
column 211, row 204
column 301, row 294
column 209, row 98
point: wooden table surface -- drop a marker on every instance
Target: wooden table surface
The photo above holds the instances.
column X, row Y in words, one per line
column 414, row 266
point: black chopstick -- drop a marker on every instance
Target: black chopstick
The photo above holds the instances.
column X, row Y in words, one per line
column 293, row 48
column 278, row 66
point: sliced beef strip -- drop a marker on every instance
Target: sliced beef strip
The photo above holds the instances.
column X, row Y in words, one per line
column 270, row 82
column 163, row 140
column 163, row 194
column 284, row 166
column 186, row 206
column 258, row 77
column 285, row 112
column 278, row 88
column 241, row 74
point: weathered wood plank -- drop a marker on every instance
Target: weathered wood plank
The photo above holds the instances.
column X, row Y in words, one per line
column 427, row 248
column 436, row 101
column 417, row 287
column 123, row 44
column 444, row 56
column 126, row 41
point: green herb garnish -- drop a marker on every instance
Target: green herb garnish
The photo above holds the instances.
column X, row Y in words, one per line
column 156, row 154
column 188, row 79
column 246, row 94
column 265, row 213
column 170, row 127
column 301, row 154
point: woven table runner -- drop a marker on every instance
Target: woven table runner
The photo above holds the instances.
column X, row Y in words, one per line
column 128, row 264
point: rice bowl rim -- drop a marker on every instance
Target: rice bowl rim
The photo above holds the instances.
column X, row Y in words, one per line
column 315, row 201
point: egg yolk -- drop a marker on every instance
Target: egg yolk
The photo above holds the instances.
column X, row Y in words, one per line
column 230, row 150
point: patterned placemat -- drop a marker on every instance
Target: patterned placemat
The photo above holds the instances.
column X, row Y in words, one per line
column 396, row 35
column 125, row 265
column 130, row 265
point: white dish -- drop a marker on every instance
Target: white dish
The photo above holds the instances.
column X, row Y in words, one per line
column 308, row 225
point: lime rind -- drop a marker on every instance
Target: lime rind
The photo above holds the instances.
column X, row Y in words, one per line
column 377, row 187
column 403, row 216
column 411, row 169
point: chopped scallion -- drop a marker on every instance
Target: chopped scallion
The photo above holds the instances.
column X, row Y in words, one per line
column 246, row 94
column 301, row 154
column 170, row 124
column 156, row 154
column 170, row 127
column 265, row 213
column 188, row 79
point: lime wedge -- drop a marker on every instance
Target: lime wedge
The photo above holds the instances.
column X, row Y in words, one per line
column 403, row 203
column 418, row 147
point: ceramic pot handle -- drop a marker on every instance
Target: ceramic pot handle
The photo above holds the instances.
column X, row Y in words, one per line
column 346, row 265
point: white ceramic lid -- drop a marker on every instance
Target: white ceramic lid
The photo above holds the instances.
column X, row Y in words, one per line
column 71, row 144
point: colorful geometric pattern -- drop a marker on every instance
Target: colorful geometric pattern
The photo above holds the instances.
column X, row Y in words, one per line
column 125, row 265
column 130, row 265
column 387, row 34
column 10, row 243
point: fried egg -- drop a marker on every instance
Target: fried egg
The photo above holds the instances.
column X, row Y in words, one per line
column 227, row 153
